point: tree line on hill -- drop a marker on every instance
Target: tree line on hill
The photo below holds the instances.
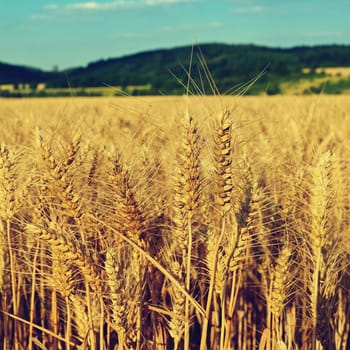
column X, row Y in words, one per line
column 230, row 67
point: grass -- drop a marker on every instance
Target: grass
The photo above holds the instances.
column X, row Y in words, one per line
column 175, row 223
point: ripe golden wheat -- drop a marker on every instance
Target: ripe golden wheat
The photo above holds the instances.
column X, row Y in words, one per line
column 165, row 223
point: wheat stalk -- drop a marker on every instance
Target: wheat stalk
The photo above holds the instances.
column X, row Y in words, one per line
column 223, row 199
column 320, row 200
column 186, row 200
column 70, row 253
column 115, row 266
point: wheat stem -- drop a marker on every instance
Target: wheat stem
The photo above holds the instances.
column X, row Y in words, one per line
column 211, row 289
column 156, row 264
column 69, row 323
column 32, row 297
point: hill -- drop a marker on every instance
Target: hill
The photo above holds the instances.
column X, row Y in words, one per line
column 14, row 74
column 162, row 71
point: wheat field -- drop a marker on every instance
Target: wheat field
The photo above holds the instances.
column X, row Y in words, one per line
column 175, row 223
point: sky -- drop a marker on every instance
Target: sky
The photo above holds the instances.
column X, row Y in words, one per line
column 71, row 33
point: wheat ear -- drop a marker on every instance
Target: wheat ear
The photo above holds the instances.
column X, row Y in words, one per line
column 8, row 205
column 63, row 188
column 223, row 187
column 70, row 253
column 320, row 201
column 115, row 267
column 130, row 220
column 186, row 200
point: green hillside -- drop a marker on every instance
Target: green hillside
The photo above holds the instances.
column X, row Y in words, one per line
column 14, row 74
column 231, row 67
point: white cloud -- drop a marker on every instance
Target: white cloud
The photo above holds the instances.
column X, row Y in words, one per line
column 86, row 6
column 250, row 9
column 118, row 4
column 51, row 9
column 162, row 2
column 92, row 5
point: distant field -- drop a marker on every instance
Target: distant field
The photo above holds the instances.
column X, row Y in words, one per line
column 102, row 90
column 332, row 80
column 211, row 223
column 9, row 90
column 335, row 71
column 331, row 71
column 328, row 80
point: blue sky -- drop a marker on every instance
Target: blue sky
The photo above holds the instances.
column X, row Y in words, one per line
column 70, row 33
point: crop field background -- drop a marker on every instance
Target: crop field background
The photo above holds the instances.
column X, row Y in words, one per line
column 175, row 223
